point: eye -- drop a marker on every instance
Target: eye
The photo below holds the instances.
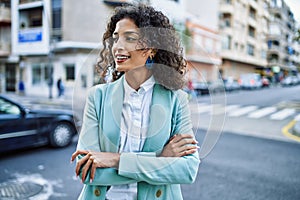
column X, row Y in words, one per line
column 131, row 39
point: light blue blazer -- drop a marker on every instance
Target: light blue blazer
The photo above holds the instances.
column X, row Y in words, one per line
column 157, row 177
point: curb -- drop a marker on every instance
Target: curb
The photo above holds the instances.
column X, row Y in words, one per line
column 294, row 135
column 296, row 128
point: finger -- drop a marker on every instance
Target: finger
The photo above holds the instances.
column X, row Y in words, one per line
column 184, row 142
column 185, row 150
column 172, row 138
column 85, row 169
column 182, row 136
column 188, row 152
column 78, row 152
column 80, row 163
column 93, row 171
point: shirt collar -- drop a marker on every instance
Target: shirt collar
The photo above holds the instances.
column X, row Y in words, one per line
column 146, row 86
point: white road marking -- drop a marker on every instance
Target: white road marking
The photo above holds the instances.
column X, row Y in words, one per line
column 297, row 118
column 282, row 114
column 242, row 111
column 262, row 112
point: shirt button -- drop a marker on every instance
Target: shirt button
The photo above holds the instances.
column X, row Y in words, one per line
column 158, row 193
column 97, row 192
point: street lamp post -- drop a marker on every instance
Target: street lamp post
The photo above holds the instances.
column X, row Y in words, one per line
column 50, row 73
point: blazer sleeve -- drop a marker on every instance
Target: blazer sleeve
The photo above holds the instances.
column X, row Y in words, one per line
column 164, row 170
column 89, row 140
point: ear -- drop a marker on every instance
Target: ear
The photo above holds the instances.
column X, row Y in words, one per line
column 152, row 53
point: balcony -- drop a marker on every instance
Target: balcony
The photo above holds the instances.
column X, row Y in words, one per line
column 28, row 1
column 5, row 17
column 118, row 2
column 226, row 8
column 5, row 48
column 252, row 22
column 275, row 49
column 253, row 4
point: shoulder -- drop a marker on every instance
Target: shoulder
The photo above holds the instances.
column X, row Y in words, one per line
column 102, row 89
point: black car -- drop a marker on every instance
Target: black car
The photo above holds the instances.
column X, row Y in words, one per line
column 21, row 127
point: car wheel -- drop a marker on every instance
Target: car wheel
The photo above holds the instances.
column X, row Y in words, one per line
column 61, row 135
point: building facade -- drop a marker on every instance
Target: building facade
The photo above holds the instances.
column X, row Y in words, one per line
column 283, row 51
column 243, row 25
column 54, row 39
column 7, row 69
column 203, row 46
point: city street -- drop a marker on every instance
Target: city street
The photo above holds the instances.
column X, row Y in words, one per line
column 253, row 159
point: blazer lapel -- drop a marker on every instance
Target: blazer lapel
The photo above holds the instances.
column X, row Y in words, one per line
column 160, row 120
column 112, row 112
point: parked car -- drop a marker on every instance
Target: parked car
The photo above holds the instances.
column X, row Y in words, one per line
column 290, row 81
column 21, row 127
column 231, row 85
column 201, row 88
column 250, row 81
column 265, row 82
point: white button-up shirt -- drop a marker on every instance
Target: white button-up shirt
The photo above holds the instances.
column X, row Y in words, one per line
column 134, row 126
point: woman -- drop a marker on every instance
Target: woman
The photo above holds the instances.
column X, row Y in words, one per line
column 136, row 140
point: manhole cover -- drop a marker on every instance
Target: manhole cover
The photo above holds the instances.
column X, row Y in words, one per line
column 14, row 191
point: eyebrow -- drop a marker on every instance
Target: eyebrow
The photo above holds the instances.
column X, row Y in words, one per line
column 127, row 33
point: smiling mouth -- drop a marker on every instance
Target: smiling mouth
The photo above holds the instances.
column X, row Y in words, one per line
column 122, row 58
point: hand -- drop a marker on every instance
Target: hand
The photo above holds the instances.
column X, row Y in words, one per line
column 180, row 145
column 92, row 160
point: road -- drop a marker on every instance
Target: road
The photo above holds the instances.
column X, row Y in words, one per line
column 43, row 166
column 249, row 168
column 251, row 160
column 262, row 113
column 239, row 167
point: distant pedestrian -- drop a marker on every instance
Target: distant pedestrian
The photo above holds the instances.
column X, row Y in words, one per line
column 60, row 87
column 21, row 88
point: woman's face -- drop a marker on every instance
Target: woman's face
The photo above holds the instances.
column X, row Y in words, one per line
column 128, row 53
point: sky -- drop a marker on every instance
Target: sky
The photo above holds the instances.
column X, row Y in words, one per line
column 295, row 8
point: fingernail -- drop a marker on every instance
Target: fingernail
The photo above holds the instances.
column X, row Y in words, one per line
column 91, row 180
column 197, row 147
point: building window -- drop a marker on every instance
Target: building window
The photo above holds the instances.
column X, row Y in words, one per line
column 31, row 18
column 70, row 72
column 263, row 54
column 36, row 74
column 41, row 73
column 227, row 20
column 251, row 31
column 56, row 20
column 250, row 49
column 226, row 43
column 252, row 13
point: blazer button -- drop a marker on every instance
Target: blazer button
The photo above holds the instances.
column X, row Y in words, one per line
column 97, row 192
column 158, row 193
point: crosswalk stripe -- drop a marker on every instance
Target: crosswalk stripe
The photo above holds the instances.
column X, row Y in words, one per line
column 297, row 118
column 262, row 112
column 282, row 114
column 231, row 107
column 205, row 108
column 236, row 110
column 242, row 111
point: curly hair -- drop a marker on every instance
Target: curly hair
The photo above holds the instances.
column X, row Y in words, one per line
column 157, row 33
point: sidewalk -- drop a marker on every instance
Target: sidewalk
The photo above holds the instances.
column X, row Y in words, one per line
column 32, row 101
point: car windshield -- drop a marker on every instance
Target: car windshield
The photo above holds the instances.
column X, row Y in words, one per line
column 8, row 108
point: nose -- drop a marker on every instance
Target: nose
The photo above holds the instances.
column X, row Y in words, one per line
column 118, row 44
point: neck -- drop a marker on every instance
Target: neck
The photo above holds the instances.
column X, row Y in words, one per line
column 136, row 77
